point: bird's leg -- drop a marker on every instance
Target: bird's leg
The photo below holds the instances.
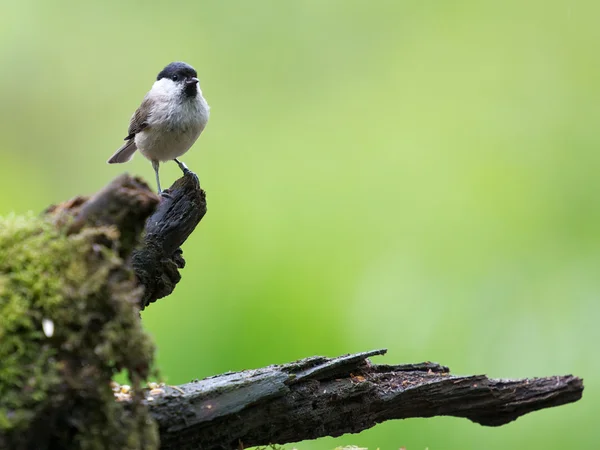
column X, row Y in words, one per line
column 182, row 166
column 155, row 167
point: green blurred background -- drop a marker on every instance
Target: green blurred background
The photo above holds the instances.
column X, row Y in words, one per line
column 420, row 176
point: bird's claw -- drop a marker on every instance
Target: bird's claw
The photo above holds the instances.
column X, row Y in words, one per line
column 182, row 166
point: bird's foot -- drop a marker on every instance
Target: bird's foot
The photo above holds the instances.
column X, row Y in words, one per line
column 182, row 166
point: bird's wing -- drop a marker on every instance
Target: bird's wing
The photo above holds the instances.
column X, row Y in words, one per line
column 139, row 120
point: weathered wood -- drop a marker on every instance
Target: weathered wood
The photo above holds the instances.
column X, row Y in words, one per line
column 307, row 399
column 70, row 323
column 125, row 203
column 158, row 260
column 320, row 396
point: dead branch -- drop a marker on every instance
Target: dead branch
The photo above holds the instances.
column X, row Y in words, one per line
column 157, row 262
column 125, row 203
column 307, row 399
column 319, row 396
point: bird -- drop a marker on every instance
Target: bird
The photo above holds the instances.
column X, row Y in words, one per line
column 169, row 120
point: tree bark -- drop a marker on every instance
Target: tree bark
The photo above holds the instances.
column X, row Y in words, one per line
column 125, row 203
column 319, row 396
column 157, row 262
column 307, row 399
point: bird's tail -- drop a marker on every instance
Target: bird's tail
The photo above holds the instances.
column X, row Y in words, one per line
column 124, row 154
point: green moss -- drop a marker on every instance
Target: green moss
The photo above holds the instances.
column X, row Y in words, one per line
column 58, row 386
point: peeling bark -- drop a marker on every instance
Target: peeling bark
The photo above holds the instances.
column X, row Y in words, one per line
column 319, row 396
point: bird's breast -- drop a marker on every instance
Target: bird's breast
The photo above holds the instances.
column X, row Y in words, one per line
column 172, row 129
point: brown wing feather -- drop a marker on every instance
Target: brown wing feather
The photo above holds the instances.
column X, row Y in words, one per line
column 139, row 120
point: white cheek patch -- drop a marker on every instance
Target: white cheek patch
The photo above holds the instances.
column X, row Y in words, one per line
column 165, row 87
column 165, row 95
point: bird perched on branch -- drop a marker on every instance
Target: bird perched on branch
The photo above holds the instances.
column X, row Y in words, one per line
column 169, row 120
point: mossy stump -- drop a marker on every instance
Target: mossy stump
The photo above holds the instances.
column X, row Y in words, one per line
column 69, row 319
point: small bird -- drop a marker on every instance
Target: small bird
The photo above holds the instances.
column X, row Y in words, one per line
column 169, row 120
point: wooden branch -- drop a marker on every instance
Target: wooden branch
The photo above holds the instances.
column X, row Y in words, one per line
column 320, row 396
column 125, row 203
column 157, row 261
column 307, row 399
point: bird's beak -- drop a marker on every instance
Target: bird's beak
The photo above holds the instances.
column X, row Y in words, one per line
column 191, row 81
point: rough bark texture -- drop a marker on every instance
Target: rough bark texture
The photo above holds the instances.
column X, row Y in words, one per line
column 306, row 399
column 319, row 396
column 157, row 262
column 125, row 203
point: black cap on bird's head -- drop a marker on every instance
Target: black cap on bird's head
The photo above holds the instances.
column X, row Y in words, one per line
column 181, row 72
column 177, row 71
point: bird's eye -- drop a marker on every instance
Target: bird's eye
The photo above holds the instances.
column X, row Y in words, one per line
column 175, row 78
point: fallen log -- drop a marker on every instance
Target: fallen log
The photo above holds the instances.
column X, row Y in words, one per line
column 72, row 284
column 319, row 396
